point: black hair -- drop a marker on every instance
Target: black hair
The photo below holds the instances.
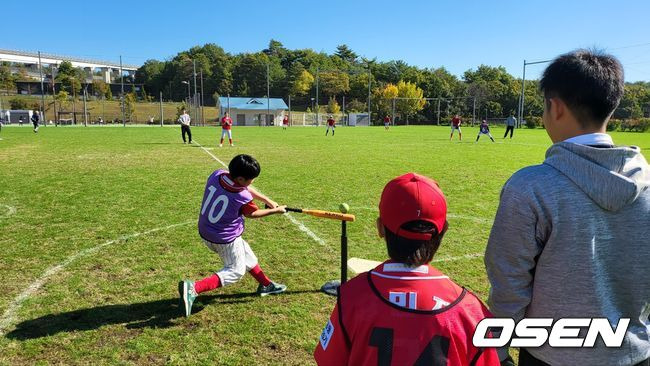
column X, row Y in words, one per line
column 589, row 82
column 414, row 252
column 244, row 166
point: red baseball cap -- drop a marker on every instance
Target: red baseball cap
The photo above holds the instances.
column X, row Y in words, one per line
column 411, row 197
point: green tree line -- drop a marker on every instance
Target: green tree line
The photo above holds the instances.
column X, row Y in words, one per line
column 489, row 90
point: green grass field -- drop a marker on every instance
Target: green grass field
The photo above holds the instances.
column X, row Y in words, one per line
column 98, row 224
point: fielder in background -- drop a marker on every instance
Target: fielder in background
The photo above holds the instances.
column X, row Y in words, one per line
column 387, row 122
column 35, row 119
column 510, row 124
column 184, row 120
column 455, row 125
column 228, row 198
column 484, row 129
column 226, row 125
column 285, row 122
column 570, row 237
column 331, row 123
column 406, row 312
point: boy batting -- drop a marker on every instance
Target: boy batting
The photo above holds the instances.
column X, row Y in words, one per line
column 228, row 198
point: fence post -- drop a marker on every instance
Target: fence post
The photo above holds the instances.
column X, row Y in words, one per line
column 162, row 116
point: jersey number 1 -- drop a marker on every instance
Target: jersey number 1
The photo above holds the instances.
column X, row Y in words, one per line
column 222, row 199
column 434, row 354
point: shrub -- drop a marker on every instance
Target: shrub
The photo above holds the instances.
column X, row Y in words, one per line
column 613, row 124
column 18, row 103
column 533, row 122
column 636, row 125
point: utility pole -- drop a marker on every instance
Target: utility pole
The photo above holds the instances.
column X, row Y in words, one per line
column 56, row 121
column 521, row 97
column 268, row 95
column 161, row 110
column 122, row 95
column 474, row 111
column 317, row 109
column 40, row 72
column 438, row 122
column 74, row 108
column 369, row 83
column 345, row 120
column 85, row 109
column 194, row 99
column 202, row 105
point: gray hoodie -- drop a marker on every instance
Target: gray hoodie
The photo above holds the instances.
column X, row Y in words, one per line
column 571, row 238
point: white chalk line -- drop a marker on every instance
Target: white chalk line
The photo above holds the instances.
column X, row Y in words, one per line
column 295, row 221
column 10, row 211
column 9, row 315
column 455, row 258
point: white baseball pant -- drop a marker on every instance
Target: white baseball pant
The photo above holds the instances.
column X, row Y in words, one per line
column 238, row 258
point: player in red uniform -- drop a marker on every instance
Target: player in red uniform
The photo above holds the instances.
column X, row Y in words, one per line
column 406, row 312
column 226, row 124
column 331, row 123
column 386, row 122
column 285, row 121
column 455, row 125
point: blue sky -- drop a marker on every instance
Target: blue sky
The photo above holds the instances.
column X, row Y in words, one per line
column 458, row 35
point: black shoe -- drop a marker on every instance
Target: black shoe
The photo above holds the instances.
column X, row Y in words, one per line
column 272, row 289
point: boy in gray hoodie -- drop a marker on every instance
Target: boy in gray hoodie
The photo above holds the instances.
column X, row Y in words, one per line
column 571, row 236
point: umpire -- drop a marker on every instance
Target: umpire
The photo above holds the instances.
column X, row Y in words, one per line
column 184, row 119
column 511, row 121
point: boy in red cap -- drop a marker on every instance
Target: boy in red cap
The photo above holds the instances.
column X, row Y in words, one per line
column 406, row 312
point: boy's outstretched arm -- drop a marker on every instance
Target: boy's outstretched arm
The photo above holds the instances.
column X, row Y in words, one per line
column 266, row 212
column 259, row 196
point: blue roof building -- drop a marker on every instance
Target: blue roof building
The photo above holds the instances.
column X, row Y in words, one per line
column 248, row 111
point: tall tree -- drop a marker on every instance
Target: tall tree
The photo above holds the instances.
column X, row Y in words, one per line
column 411, row 106
column 334, row 83
column 346, row 54
column 69, row 77
column 301, row 81
column 382, row 99
column 7, row 79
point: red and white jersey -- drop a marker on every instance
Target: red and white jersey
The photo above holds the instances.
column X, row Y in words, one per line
column 331, row 122
column 455, row 121
column 285, row 120
column 399, row 315
column 226, row 122
column 386, row 120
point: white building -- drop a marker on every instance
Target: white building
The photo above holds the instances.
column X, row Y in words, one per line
column 247, row 111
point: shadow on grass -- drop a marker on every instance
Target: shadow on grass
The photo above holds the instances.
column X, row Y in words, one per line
column 152, row 314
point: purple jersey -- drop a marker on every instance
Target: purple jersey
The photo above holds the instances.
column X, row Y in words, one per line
column 485, row 128
column 221, row 220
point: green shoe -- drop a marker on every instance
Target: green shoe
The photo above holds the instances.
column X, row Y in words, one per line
column 272, row 289
column 187, row 296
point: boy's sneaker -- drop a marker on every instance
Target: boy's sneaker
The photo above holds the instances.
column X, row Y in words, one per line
column 272, row 289
column 220, row 145
column 187, row 296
